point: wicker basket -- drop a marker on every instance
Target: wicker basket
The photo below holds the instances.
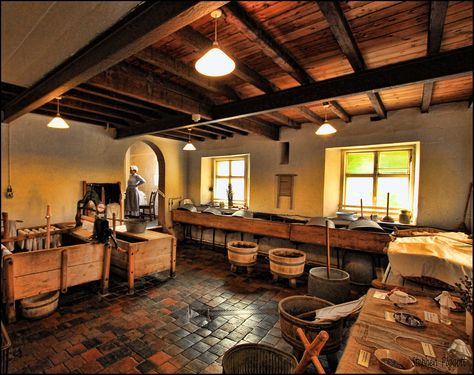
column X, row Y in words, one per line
column 6, row 344
column 257, row 359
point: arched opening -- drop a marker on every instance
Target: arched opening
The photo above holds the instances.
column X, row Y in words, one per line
column 151, row 162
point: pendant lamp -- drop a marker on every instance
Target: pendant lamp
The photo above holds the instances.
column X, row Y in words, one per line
column 189, row 146
column 325, row 128
column 57, row 122
column 215, row 63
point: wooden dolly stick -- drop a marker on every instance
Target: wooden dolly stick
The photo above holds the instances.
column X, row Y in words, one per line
column 48, row 227
column 311, row 352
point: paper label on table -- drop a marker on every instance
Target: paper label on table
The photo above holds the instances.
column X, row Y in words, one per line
column 431, row 317
column 380, row 295
column 389, row 316
column 428, row 349
column 364, row 358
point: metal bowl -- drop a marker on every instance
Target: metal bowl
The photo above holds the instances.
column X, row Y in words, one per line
column 320, row 222
column 188, row 207
column 365, row 225
column 135, row 225
column 243, row 213
column 211, row 210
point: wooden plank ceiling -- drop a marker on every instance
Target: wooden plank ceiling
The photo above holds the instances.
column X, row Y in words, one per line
column 359, row 57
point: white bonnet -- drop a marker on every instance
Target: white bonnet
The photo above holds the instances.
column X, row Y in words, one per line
column 134, row 168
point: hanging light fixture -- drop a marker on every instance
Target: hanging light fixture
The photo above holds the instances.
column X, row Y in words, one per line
column 57, row 122
column 325, row 128
column 189, row 146
column 215, row 63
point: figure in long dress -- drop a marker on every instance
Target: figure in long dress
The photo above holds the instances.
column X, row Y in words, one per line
column 132, row 197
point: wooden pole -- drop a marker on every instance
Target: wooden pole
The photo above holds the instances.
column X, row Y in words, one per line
column 328, row 251
column 361, row 209
column 388, row 203
column 311, row 352
column 48, row 227
column 114, row 223
column 6, row 225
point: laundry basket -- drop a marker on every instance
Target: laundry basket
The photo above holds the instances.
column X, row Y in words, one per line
column 6, row 343
column 257, row 359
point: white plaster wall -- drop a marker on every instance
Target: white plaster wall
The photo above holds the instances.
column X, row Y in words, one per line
column 445, row 135
column 48, row 165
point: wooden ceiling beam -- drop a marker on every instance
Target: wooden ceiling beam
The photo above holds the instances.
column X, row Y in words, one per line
column 450, row 64
column 152, row 110
column 444, row 65
column 438, row 10
column 216, row 131
column 229, row 128
column 66, row 116
column 196, row 132
column 254, row 31
column 342, row 33
column 144, row 26
column 67, row 102
column 238, row 17
column 131, row 81
column 154, row 57
column 199, row 42
column 84, row 116
column 338, row 110
column 278, row 117
column 185, row 135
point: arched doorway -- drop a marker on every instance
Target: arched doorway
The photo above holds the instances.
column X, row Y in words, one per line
column 151, row 162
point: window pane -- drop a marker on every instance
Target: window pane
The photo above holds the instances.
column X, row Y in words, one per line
column 238, row 167
column 223, row 168
column 220, row 190
column 394, row 162
column 360, row 163
column 238, row 188
column 358, row 188
column 398, row 187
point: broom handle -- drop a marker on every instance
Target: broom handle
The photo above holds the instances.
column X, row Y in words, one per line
column 48, row 226
column 467, row 202
column 388, row 202
column 328, row 250
column 361, row 208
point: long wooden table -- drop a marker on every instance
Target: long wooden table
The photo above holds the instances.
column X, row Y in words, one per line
column 372, row 331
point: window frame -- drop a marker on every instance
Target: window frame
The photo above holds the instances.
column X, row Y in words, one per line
column 375, row 175
column 229, row 177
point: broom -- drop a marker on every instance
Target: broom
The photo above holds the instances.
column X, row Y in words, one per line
column 462, row 227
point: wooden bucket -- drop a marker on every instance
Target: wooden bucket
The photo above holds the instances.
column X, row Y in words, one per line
column 242, row 253
column 40, row 306
column 290, row 307
column 288, row 263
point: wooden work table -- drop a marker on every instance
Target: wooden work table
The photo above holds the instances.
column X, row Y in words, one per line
column 372, row 331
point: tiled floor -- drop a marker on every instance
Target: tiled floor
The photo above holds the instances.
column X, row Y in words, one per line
column 181, row 325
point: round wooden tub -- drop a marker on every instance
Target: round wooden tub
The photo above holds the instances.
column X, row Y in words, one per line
column 291, row 307
column 40, row 306
column 242, row 254
column 287, row 263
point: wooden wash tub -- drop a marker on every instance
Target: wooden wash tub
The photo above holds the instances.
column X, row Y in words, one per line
column 141, row 254
column 29, row 274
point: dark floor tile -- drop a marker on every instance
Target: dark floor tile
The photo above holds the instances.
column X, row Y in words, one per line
column 191, row 353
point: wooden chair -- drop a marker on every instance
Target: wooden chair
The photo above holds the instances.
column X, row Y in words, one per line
column 149, row 209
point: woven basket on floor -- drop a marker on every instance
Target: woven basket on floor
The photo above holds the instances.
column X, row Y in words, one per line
column 257, row 359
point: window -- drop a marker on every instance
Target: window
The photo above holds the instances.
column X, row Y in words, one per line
column 231, row 171
column 369, row 174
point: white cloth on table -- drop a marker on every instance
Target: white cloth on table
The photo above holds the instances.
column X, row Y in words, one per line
column 5, row 252
column 336, row 312
column 141, row 198
column 445, row 256
column 11, row 233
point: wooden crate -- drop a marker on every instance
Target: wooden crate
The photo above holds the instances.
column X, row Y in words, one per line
column 31, row 273
column 141, row 254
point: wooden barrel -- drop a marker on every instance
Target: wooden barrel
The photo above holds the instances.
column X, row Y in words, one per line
column 288, row 263
column 40, row 306
column 242, row 253
column 290, row 307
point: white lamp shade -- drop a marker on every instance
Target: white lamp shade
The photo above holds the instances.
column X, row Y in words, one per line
column 58, row 123
column 215, row 63
column 325, row 129
column 189, row 147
